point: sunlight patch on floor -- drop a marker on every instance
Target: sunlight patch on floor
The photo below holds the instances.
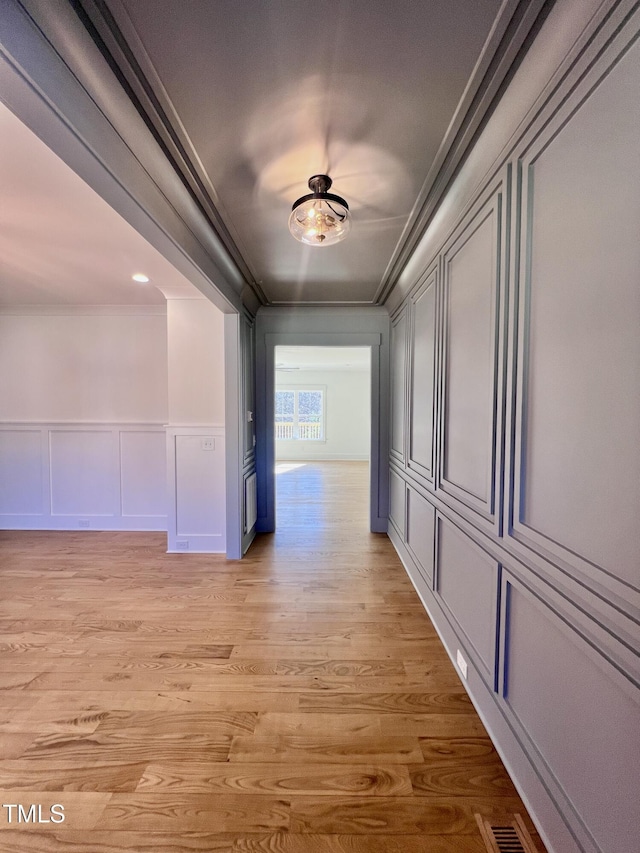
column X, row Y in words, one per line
column 283, row 467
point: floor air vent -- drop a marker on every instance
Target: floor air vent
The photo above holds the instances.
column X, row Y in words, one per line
column 506, row 836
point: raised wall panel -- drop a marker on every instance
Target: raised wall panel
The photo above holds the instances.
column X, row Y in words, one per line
column 247, row 331
column 21, row 483
column 580, row 715
column 421, row 521
column 467, row 584
column 473, row 372
column 240, row 420
column 399, row 328
column 196, row 476
column 577, row 468
column 250, row 513
column 143, row 473
column 398, row 504
column 422, row 378
column 84, row 476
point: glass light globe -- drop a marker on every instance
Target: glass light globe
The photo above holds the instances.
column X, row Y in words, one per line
column 320, row 219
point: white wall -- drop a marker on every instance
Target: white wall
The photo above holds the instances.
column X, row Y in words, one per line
column 83, row 402
column 347, row 414
column 101, row 364
column 195, row 434
column 85, row 396
column 195, row 329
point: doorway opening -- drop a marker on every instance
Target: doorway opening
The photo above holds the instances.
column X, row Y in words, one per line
column 322, row 438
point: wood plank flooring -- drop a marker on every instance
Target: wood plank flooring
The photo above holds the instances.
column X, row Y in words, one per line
column 298, row 701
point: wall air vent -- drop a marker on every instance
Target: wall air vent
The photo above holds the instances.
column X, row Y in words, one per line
column 506, row 836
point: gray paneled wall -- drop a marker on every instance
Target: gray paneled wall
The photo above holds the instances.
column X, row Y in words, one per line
column 399, row 326
column 422, row 375
column 515, row 453
column 240, row 406
column 473, row 270
column 248, row 415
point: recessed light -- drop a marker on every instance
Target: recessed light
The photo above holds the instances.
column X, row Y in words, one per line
column 141, row 277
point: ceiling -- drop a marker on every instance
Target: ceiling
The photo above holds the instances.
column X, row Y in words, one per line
column 270, row 93
column 247, row 100
column 289, row 359
column 60, row 243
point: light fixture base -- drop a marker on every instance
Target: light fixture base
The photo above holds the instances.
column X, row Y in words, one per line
column 319, row 183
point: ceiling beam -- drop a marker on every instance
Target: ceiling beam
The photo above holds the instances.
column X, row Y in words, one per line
column 119, row 43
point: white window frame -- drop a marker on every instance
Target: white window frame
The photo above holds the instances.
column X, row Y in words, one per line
column 296, row 389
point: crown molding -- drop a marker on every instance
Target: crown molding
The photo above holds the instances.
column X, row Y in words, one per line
column 83, row 310
column 516, row 24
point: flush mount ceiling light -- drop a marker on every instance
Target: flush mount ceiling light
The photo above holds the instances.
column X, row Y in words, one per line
column 321, row 218
column 141, row 277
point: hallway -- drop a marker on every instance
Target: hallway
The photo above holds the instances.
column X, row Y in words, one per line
column 299, row 701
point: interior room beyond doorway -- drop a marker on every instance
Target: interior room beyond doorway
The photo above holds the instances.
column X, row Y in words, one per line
column 322, row 427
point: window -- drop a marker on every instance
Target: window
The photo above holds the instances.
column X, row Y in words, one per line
column 299, row 415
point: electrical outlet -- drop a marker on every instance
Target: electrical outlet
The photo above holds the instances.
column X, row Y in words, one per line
column 182, row 544
column 208, row 444
column 462, row 664
column 84, row 522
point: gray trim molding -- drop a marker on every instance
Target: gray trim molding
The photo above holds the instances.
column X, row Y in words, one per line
column 266, row 433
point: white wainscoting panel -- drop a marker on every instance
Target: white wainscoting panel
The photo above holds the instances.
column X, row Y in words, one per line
column 22, row 489
column 197, row 502
column 84, row 475
column 143, row 480
column 75, row 476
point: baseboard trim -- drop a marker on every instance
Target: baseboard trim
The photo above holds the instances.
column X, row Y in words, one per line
column 547, row 814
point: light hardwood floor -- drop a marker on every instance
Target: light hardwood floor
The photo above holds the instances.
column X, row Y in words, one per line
column 297, row 701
